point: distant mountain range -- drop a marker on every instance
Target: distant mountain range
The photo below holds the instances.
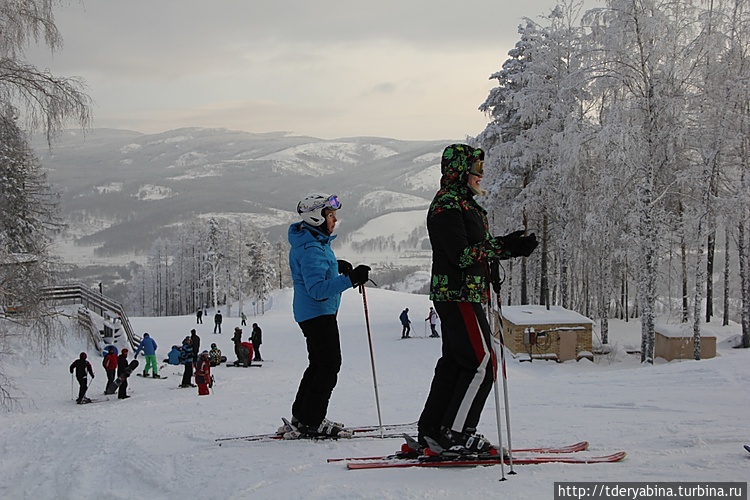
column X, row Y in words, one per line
column 120, row 190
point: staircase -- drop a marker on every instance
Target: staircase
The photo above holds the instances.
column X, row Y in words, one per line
column 91, row 299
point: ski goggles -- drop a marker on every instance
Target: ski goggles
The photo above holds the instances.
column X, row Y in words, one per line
column 477, row 168
column 332, row 203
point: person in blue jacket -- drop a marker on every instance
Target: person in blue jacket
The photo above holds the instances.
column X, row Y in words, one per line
column 173, row 358
column 148, row 346
column 319, row 279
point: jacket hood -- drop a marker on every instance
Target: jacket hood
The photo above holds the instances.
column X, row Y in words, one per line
column 455, row 164
column 301, row 233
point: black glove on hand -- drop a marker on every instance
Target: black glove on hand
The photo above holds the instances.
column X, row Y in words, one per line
column 359, row 275
column 345, row 267
column 517, row 245
column 511, row 236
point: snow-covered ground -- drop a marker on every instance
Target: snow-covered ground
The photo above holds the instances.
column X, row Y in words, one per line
column 678, row 421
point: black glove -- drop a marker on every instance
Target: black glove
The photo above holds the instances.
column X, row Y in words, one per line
column 517, row 245
column 345, row 267
column 511, row 237
column 359, row 275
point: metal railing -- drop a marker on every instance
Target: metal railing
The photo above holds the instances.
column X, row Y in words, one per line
column 78, row 293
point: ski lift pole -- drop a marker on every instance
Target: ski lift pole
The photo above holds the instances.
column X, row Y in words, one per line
column 372, row 357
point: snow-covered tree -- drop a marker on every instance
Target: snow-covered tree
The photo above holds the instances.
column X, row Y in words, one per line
column 30, row 99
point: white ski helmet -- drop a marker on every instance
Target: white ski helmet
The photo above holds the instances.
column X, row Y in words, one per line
column 311, row 207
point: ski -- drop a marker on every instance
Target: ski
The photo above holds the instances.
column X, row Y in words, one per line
column 91, row 401
column 160, row 377
column 570, row 448
column 747, row 447
column 439, row 461
column 366, row 431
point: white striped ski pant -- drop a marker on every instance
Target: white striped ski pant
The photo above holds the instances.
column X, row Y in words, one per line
column 463, row 374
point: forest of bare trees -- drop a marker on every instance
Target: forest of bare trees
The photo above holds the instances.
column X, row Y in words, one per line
column 208, row 263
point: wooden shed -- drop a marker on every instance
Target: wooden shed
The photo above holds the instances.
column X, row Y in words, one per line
column 676, row 342
column 541, row 333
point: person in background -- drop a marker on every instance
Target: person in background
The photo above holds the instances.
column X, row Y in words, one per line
column 256, row 337
column 405, row 323
column 203, row 374
column 319, row 280
column 196, row 345
column 243, row 316
column 82, row 367
column 186, row 358
column 237, row 339
column 173, row 358
column 432, row 318
column 218, row 318
column 110, row 363
column 214, row 355
column 461, row 251
column 199, row 317
column 123, row 371
column 148, row 345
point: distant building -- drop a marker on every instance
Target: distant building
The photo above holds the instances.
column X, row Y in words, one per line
column 677, row 342
column 559, row 334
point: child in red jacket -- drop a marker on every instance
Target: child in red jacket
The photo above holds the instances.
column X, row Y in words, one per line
column 203, row 374
column 110, row 363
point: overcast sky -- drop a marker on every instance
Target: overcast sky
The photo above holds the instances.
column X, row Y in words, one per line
column 326, row 68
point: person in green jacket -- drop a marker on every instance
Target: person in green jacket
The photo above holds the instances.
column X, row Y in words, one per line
column 462, row 248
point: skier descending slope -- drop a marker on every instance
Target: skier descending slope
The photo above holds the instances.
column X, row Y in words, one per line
column 319, row 279
column 461, row 249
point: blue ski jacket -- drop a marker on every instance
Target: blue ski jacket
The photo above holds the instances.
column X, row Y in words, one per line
column 147, row 345
column 317, row 282
column 174, row 355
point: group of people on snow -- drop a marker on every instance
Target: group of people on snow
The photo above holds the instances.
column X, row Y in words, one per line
column 462, row 249
column 115, row 366
column 432, row 317
column 197, row 363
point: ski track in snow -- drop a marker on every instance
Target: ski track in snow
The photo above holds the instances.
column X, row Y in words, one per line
column 678, row 421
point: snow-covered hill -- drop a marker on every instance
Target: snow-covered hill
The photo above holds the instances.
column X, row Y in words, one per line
column 121, row 190
column 678, row 421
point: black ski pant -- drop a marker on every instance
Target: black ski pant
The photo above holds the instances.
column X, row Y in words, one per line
column 405, row 330
column 256, row 349
column 187, row 375
column 464, row 373
column 111, row 375
column 82, row 387
column 122, row 391
column 324, row 362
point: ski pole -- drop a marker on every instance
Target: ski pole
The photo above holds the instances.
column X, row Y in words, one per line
column 372, row 357
column 496, row 284
column 498, row 416
column 72, row 388
column 496, row 391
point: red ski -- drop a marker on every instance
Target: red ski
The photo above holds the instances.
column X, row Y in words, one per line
column 474, row 462
column 571, row 448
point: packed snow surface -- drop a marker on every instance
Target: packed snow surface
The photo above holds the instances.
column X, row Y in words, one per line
column 678, row 421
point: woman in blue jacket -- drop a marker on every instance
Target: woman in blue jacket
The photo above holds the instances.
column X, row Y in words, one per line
column 319, row 279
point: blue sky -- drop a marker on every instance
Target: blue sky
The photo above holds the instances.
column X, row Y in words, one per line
column 331, row 68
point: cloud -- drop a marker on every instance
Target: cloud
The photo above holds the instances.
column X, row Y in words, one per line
column 327, row 68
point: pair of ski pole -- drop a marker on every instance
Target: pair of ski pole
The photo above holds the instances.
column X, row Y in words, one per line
column 497, row 317
column 497, row 308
